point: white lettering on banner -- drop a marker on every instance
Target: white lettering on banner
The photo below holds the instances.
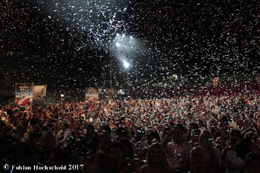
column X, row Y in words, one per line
column 24, row 88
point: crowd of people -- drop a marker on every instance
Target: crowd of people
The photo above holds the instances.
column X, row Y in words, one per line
column 179, row 134
column 60, row 43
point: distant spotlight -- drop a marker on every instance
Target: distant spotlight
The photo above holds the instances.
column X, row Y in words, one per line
column 123, row 35
column 126, row 64
column 117, row 44
column 131, row 37
column 117, row 34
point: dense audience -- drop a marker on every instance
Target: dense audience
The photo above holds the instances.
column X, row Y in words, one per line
column 64, row 43
column 179, row 134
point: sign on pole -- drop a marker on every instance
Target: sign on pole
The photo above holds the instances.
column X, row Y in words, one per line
column 23, row 93
column 91, row 94
column 39, row 95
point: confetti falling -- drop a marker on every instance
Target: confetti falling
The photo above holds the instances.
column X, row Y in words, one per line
column 68, row 44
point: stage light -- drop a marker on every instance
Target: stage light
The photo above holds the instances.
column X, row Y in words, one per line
column 126, row 64
column 61, row 98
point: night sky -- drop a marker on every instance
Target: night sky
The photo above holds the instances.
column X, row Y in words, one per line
column 68, row 44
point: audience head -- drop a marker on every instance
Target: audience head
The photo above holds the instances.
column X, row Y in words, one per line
column 128, row 149
column 194, row 126
column 58, row 157
column 224, row 137
column 153, row 137
column 156, row 155
column 48, row 141
column 65, row 126
column 121, row 133
column 116, row 150
column 195, row 136
column 106, row 164
column 240, row 124
column 178, row 133
column 198, row 158
column 205, row 140
column 234, row 137
column 243, row 148
column 252, row 163
column 90, row 128
column 104, row 136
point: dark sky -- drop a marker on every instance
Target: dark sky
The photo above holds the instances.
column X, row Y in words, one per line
column 64, row 43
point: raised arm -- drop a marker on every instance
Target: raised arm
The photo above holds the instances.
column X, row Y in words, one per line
column 166, row 140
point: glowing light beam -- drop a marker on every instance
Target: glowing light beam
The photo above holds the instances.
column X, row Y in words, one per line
column 126, row 64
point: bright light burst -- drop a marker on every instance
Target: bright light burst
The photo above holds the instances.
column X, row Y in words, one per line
column 126, row 64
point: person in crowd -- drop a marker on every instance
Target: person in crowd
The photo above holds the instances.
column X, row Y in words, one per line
column 28, row 108
column 222, row 140
column 152, row 137
column 252, row 128
column 195, row 137
column 240, row 124
column 64, row 135
column 178, row 151
column 201, row 126
column 243, row 148
column 117, row 151
column 91, row 135
column 144, row 141
column 8, row 110
column 121, row 133
column 225, row 126
column 252, row 163
column 23, row 155
column 48, row 143
column 129, row 151
column 156, row 160
column 251, row 135
column 192, row 126
column 58, row 157
column 105, row 164
column 198, row 160
column 233, row 124
column 77, row 141
column 229, row 159
column 104, row 139
column 88, row 155
column 206, row 141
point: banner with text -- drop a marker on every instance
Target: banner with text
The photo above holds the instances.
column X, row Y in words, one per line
column 23, row 93
column 39, row 95
column 91, row 94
